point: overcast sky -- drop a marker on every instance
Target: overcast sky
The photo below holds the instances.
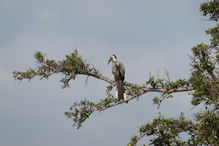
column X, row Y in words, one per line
column 146, row 35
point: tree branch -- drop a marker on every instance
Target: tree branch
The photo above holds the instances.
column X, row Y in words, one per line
column 163, row 90
column 74, row 65
column 165, row 131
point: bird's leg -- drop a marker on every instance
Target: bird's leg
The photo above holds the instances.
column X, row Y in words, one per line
column 117, row 94
column 125, row 97
column 113, row 77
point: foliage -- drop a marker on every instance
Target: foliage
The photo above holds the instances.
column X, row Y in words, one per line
column 210, row 9
column 71, row 66
column 203, row 85
column 79, row 112
column 166, row 131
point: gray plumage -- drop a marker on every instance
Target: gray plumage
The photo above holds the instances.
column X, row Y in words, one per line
column 118, row 72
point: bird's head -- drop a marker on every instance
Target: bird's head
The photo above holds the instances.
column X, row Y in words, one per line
column 112, row 58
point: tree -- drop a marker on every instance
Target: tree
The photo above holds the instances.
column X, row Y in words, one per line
column 203, row 85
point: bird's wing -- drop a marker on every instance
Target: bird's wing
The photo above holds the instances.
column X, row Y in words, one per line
column 121, row 69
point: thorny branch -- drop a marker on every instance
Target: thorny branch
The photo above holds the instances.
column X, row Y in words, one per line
column 163, row 129
column 50, row 67
column 203, row 82
column 74, row 65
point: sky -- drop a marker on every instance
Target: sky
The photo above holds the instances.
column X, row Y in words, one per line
column 146, row 35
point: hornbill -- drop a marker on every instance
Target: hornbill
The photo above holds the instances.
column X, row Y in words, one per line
column 118, row 72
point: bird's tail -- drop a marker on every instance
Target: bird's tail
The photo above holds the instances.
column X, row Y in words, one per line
column 120, row 89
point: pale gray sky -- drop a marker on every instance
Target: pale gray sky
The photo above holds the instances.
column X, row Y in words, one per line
column 145, row 35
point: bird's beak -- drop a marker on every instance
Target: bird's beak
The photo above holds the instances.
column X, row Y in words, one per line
column 110, row 59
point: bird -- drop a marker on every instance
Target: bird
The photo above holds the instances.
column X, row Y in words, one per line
column 118, row 73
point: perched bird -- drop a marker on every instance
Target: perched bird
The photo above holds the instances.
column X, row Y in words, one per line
column 118, row 72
